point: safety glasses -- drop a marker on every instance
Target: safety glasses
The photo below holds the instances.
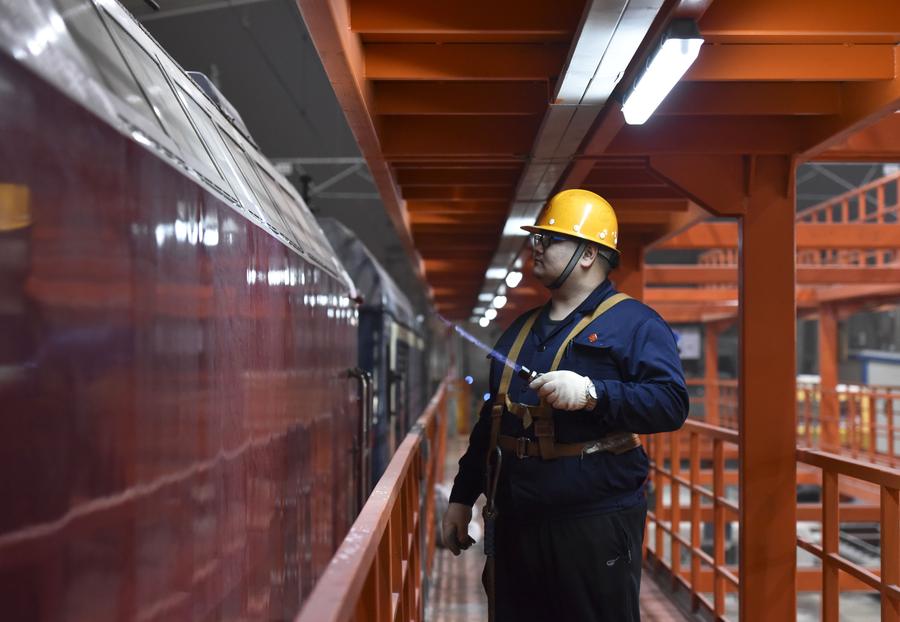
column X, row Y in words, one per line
column 544, row 240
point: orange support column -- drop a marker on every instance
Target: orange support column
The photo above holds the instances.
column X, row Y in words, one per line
column 829, row 407
column 711, row 368
column 767, row 387
column 759, row 190
column 629, row 276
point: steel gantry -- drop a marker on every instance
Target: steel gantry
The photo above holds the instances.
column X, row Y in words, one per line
column 471, row 114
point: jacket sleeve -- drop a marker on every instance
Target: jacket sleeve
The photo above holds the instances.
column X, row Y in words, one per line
column 652, row 396
column 469, row 482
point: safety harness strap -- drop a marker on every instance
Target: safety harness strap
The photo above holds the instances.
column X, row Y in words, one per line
column 501, row 401
column 541, row 414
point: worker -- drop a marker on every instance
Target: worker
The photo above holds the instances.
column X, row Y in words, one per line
column 559, row 457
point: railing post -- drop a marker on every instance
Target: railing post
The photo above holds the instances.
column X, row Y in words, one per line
column 890, row 551
column 830, row 527
column 829, row 407
column 711, row 368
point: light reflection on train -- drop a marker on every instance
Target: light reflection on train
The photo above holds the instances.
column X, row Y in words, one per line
column 176, row 412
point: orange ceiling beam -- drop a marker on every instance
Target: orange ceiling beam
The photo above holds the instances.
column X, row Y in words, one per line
column 454, row 208
column 457, row 177
column 475, row 136
column 752, row 99
column 838, row 21
column 457, row 193
column 807, row 275
column 499, row 17
column 877, row 143
column 463, row 61
column 809, row 236
column 792, row 62
column 710, row 135
column 442, row 98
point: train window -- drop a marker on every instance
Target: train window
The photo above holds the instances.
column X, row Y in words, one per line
column 207, row 130
column 87, row 30
column 266, row 211
column 288, row 212
column 174, row 119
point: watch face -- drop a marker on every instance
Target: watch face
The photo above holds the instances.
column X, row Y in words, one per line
column 592, row 390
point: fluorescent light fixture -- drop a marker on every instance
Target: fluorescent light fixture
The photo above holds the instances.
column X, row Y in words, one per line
column 477, row 311
column 499, row 302
column 514, row 224
column 486, row 297
column 490, row 314
column 483, row 322
column 513, row 279
column 495, row 273
column 679, row 49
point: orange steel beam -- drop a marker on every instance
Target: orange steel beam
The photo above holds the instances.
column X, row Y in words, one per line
column 879, row 142
column 342, row 56
column 659, row 274
column 863, row 105
column 647, row 193
column 843, row 236
column 476, row 136
column 501, row 17
column 767, row 21
column 455, row 208
column 751, row 99
column 463, row 61
column 457, row 193
column 457, row 177
column 442, row 98
column 714, row 135
column 792, row 62
column 805, row 296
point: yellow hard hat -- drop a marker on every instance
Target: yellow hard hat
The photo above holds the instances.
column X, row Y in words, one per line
column 15, row 212
column 579, row 214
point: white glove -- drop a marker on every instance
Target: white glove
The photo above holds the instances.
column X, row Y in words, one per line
column 564, row 390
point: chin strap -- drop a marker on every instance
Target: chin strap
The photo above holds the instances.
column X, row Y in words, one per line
column 569, row 267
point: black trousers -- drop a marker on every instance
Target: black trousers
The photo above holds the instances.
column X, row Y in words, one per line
column 585, row 569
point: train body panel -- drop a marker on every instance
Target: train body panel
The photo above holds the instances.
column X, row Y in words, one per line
column 390, row 346
column 176, row 411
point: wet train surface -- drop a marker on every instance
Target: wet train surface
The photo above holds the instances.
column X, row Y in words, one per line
column 177, row 343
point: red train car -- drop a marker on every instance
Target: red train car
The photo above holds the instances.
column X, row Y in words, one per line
column 176, row 414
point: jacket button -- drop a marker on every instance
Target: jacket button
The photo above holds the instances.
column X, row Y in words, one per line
column 542, row 348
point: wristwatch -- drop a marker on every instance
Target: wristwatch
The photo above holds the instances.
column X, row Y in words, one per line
column 590, row 394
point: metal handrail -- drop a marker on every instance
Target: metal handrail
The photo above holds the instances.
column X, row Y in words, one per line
column 706, row 480
column 377, row 572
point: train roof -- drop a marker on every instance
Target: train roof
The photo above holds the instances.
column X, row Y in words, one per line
column 373, row 283
column 97, row 54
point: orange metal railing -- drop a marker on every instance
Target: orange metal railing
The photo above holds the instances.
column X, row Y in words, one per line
column 706, row 572
column 877, row 202
column 379, row 571
column 833, row 563
column 694, row 505
column 865, row 423
column 865, row 426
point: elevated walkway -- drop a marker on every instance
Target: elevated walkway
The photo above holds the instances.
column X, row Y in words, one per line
column 388, row 567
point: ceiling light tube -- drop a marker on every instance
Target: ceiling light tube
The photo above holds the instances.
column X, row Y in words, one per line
column 676, row 53
column 499, row 302
column 513, row 279
column 483, row 322
column 490, row 314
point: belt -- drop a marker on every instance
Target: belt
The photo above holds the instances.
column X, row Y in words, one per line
column 524, row 447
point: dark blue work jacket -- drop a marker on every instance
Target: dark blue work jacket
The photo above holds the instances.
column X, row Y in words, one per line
column 630, row 354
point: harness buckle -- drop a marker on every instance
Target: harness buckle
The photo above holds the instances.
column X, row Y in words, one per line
column 522, row 444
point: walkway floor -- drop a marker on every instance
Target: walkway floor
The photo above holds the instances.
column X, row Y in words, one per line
column 456, row 592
